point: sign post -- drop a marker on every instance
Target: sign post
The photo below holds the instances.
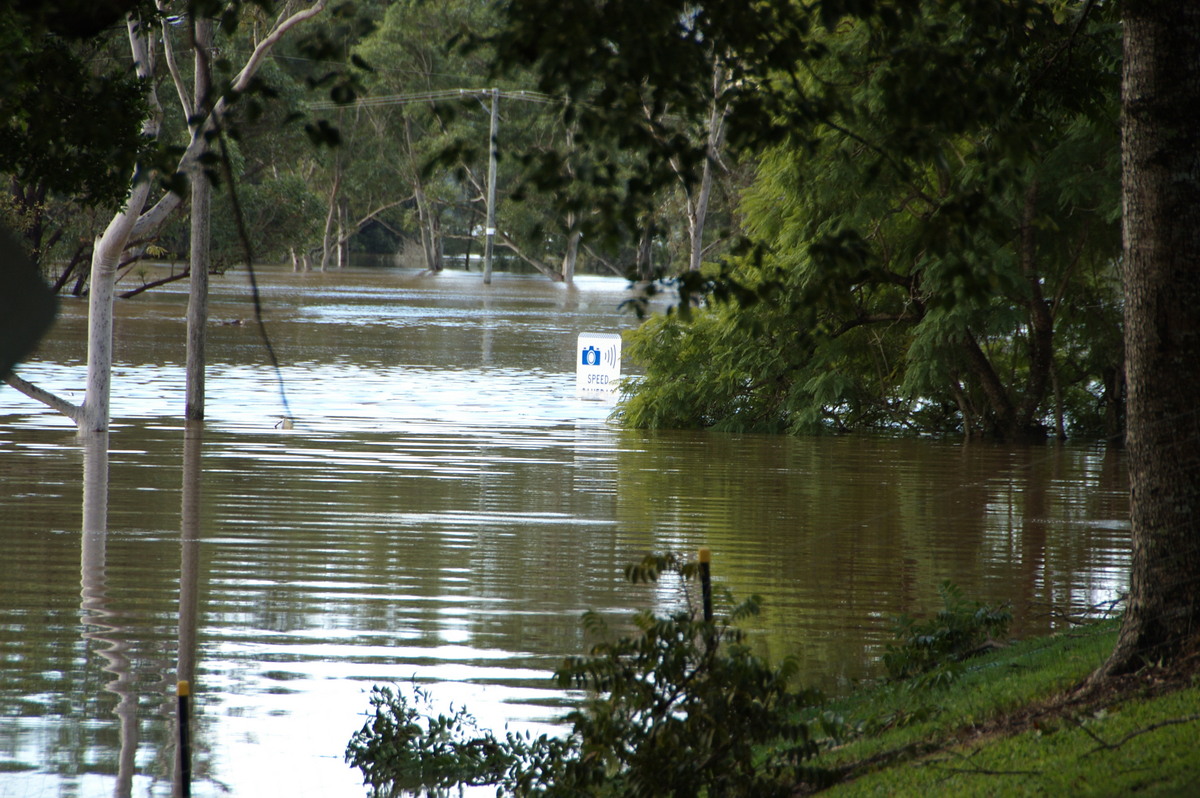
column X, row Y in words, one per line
column 597, row 366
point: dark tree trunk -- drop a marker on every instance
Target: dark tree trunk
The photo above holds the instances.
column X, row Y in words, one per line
column 1161, row 188
column 1041, row 324
column 644, row 262
column 1114, row 404
column 1003, row 415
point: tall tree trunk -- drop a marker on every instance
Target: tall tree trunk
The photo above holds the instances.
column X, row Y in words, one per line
column 1004, row 415
column 1041, row 322
column 1114, row 404
column 439, row 242
column 343, row 238
column 423, row 227
column 644, row 260
column 1161, row 265
column 328, row 237
column 572, row 253
column 197, row 310
column 427, row 221
column 106, row 256
column 698, row 205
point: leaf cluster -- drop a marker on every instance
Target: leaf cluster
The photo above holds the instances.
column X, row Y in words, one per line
column 67, row 122
column 680, row 707
column 407, row 745
column 932, row 649
column 923, row 262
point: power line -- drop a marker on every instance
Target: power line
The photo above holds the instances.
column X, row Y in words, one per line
column 436, row 96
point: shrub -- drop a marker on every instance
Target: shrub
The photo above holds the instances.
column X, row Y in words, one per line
column 682, row 707
column 932, row 648
column 406, row 747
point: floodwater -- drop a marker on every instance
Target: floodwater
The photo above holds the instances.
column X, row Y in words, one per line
column 444, row 510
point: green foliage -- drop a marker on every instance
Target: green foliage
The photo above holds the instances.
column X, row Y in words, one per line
column 50, row 134
column 67, row 124
column 933, row 648
column 937, row 267
column 681, row 707
column 405, row 746
column 715, row 370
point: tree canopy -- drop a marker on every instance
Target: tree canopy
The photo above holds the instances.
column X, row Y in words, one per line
column 49, row 143
column 914, row 273
column 956, row 183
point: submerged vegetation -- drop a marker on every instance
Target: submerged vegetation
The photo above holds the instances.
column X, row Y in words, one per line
column 916, row 268
column 935, row 648
column 681, row 707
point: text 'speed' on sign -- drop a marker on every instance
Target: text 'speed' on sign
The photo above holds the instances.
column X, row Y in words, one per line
column 597, row 366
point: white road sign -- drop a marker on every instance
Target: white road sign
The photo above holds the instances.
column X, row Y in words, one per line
column 597, row 366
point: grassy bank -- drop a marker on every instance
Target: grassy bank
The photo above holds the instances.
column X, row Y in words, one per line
column 1010, row 725
column 684, row 707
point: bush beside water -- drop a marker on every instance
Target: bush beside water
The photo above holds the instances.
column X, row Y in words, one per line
column 682, row 707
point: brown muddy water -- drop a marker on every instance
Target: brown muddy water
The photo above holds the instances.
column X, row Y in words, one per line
column 444, row 510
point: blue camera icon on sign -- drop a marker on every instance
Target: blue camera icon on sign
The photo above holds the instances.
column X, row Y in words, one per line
column 591, row 356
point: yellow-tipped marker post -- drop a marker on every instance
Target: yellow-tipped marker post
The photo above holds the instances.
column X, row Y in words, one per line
column 705, row 557
column 183, row 691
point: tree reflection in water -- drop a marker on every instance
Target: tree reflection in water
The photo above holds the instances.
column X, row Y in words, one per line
column 189, row 578
column 99, row 621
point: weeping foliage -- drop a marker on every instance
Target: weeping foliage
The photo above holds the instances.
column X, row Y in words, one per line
column 926, row 261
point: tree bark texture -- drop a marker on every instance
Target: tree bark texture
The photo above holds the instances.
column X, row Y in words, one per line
column 106, row 255
column 1041, row 323
column 698, row 207
column 197, row 309
column 1161, row 274
column 980, row 367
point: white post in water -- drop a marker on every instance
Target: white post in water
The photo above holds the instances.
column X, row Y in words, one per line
column 489, row 230
column 597, row 366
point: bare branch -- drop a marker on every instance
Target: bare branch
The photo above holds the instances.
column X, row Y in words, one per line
column 1103, row 746
column 73, row 412
column 156, row 283
column 506, row 241
column 866, row 319
column 185, row 99
column 352, row 230
column 612, row 267
column 155, row 216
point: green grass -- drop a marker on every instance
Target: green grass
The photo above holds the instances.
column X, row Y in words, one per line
column 982, row 734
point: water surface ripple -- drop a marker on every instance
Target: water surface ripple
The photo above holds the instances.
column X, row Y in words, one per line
column 444, row 510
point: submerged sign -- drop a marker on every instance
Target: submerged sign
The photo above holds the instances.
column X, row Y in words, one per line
column 597, row 366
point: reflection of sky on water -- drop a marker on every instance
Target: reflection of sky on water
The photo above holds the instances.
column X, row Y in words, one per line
column 445, row 508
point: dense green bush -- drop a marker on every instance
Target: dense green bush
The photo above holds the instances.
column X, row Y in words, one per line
column 931, row 649
column 405, row 746
column 682, row 707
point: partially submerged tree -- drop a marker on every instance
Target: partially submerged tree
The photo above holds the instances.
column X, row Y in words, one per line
column 638, row 45
column 138, row 217
column 968, row 284
column 1161, row 272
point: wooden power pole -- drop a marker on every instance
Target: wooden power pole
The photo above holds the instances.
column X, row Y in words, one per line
column 490, row 225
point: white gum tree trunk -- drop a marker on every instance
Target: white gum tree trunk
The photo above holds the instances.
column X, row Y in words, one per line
column 106, row 254
column 135, row 220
